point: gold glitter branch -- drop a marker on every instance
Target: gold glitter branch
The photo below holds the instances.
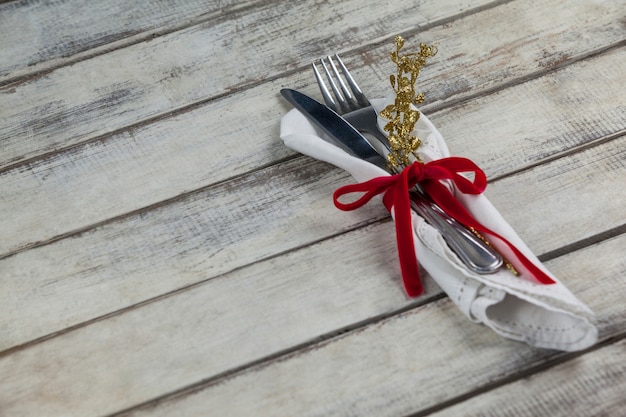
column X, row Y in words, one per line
column 402, row 118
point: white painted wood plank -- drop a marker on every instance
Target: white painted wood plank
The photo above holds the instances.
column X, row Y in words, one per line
column 143, row 166
column 393, row 367
column 39, row 35
column 590, row 385
column 133, row 169
column 241, row 222
column 127, row 86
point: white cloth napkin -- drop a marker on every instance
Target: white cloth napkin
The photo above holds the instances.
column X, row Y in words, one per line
column 545, row 316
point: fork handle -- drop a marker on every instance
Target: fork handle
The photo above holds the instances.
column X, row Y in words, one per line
column 477, row 255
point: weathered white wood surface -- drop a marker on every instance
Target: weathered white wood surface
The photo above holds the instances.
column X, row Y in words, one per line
column 155, row 162
column 163, row 253
column 591, row 385
column 401, row 365
column 93, row 98
column 229, row 323
column 113, row 266
column 37, row 36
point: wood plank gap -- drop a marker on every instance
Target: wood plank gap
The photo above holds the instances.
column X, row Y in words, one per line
column 555, row 360
column 137, row 38
column 581, row 244
column 121, row 43
column 559, row 155
column 284, row 354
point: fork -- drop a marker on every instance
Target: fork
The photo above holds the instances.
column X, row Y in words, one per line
column 354, row 106
column 351, row 103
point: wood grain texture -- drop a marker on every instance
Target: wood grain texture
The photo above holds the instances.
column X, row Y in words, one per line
column 146, row 80
column 518, row 127
column 225, row 322
column 150, row 253
column 589, row 385
column 239, row 223
column 565, row 196
column 146, row 165
column 163, row 253
column 33, row 40
column 267, row 307
column 93, row 97
column 397, row 366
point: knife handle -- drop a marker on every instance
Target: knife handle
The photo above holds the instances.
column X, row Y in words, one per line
column 476, row 254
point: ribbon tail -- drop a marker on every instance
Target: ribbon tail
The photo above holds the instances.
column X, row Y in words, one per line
column 398, row 199
column 406, row 254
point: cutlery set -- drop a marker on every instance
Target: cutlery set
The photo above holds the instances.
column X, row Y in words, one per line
column 477, row 255
column 358, row 115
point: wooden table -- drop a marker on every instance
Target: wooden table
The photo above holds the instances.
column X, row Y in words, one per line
column 163, row 253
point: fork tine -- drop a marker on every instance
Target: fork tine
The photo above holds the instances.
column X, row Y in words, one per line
column 349, row 100
column 343, row 104
column 328, row 99
column 358, row 93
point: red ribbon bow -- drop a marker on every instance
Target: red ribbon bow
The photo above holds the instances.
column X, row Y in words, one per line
column 396, row 195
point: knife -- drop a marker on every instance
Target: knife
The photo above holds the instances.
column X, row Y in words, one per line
column 477, row 255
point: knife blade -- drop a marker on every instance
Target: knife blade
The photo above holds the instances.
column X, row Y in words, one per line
column 471, row 250
column 342, row 134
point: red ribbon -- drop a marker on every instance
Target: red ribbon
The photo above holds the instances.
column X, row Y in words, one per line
column 429, row 176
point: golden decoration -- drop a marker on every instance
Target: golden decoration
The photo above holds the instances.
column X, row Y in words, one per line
column 402, row 117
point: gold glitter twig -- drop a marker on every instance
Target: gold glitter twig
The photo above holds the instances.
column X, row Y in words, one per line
column 402, row 117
